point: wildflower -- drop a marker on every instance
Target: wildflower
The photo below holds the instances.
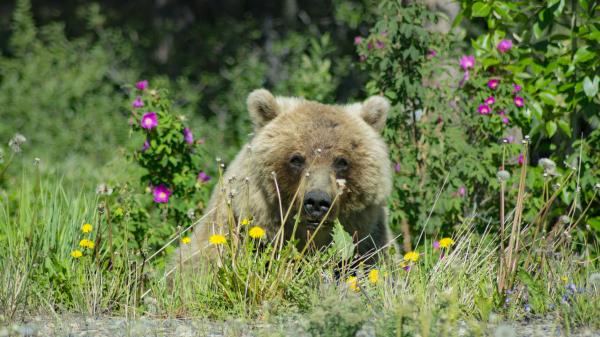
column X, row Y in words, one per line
column 379, row 44
column 217, row 239
column 502, row 175
column 467, row 62
column 149, row 120
column 432, row 53
column 527, row 307
column 484, row 109
column 446, row 242
column 203, row 177
column 186, row 240
column 519, row 101
column 521, row 159
column 352, row 283
column 374, row 276
column 76, row 253
column 142, row 85
column 462, row 191
column 564, row 279
column 357, row 40
column 86, row 228
column 493, row 83
column 504, row 46
column 85, row 243
column 411, row 256
column 118, row 212
column 103, row 189
column 490, row 100
column 405, row 266
column 548, row 165
column 191, row 214
column 161, row 194
column 245, row 222
column 436, row 245
column 516, row 88
column 138, row 103
column 146, row 145
column 16, row 141
column 397, row 167
column 505, row 120
column 256, row 232
column 189, row 137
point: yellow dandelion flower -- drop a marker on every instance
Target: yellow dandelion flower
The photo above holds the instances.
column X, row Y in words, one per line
column 85, row 243
column 446, row 242
column 564, row 279
column 245, row 221
column 76, row 254
column 256, row 232
column 352, row 283
column 411, row 256
column 86, row 228
column 217, row 239
column 186, row 240
column 374, row 276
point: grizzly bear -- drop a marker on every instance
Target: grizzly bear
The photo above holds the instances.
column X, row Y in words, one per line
column 324, row 161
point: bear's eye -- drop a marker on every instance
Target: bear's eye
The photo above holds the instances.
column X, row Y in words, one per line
column 340, row 164
column 297, row 161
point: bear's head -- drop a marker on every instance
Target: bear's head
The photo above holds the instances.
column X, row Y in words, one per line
column 319, row 159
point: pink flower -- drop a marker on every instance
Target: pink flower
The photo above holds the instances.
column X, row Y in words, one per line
column 189, row 137
column 397, row 167
column 519, row 101
column 521, row 159
column 501, row 112
column 505, row 120
column 509, row 139
column 146, row 146
column 161, row 194
column 462, row 191
column 379, row 44
column 203, row 177
column 490, row 100
column 436, row 245
column 138, row 103
column 357, row 40
column 484, row 109
column 504, row 46
column 467, row 62
column 516, row 88
column 141, row 85
column 432, row 53
column 369, row 45
column 149, row 120
column 493, row 83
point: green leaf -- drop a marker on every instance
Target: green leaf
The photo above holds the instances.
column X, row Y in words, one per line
column 583, row 55
column 342, row 242
column 550, row 128
column 564, row 125
column 480, row 9
column 538, row 112
column 590, row 87
column 594, row 223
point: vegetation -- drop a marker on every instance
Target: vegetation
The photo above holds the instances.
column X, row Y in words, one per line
column 110, row 156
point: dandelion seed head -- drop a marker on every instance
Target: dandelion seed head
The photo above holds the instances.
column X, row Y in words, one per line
column 503, row 175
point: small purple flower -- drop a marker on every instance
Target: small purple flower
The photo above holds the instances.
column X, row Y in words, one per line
column 203, row 177
column 490, row 100
column 505, row 120
column 189, row 137
column 146, row 145
column 519, row 101
column 467, row 62
column 161, row 194
column 138, row 103
column 149, row 120
column 397, row 167
column 571, row 287
column 493, row 83
column 516, row 88
column 357, row 40
column 484, row 109
column 527, row 307
column 462, row 191
column 504, row 46
column 407, row 267
column 436, row 245
column 370, row 45
column 521, row 159
column 510, row 139
column 379, row 44
column 432, row 53
column 142, row 85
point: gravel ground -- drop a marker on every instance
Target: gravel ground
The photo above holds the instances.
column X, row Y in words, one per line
column 75, row 326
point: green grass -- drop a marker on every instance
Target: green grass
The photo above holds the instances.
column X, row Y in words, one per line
column 40, row 225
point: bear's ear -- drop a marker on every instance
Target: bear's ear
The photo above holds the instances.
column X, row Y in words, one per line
column 262, row 107
column 374, row 111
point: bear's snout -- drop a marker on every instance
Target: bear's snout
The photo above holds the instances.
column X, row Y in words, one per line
column 316, row 204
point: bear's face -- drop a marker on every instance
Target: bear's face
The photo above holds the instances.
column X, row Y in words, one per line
column 325, row 160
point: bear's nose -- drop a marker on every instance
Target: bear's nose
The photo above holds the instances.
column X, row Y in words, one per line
column 316, row 204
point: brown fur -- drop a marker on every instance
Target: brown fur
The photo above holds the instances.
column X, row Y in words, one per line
column 320, row 132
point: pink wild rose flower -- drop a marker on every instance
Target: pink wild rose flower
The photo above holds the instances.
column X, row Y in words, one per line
column 138, row 103
column 490, row 100
column 519, row 101
column 142, row 85
column 484, row 109
column 504, row 46
column 467, row 62
column 357, row 40
column 516, row 88
column 493, row 83
column 149, row 120
column 161, row 194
